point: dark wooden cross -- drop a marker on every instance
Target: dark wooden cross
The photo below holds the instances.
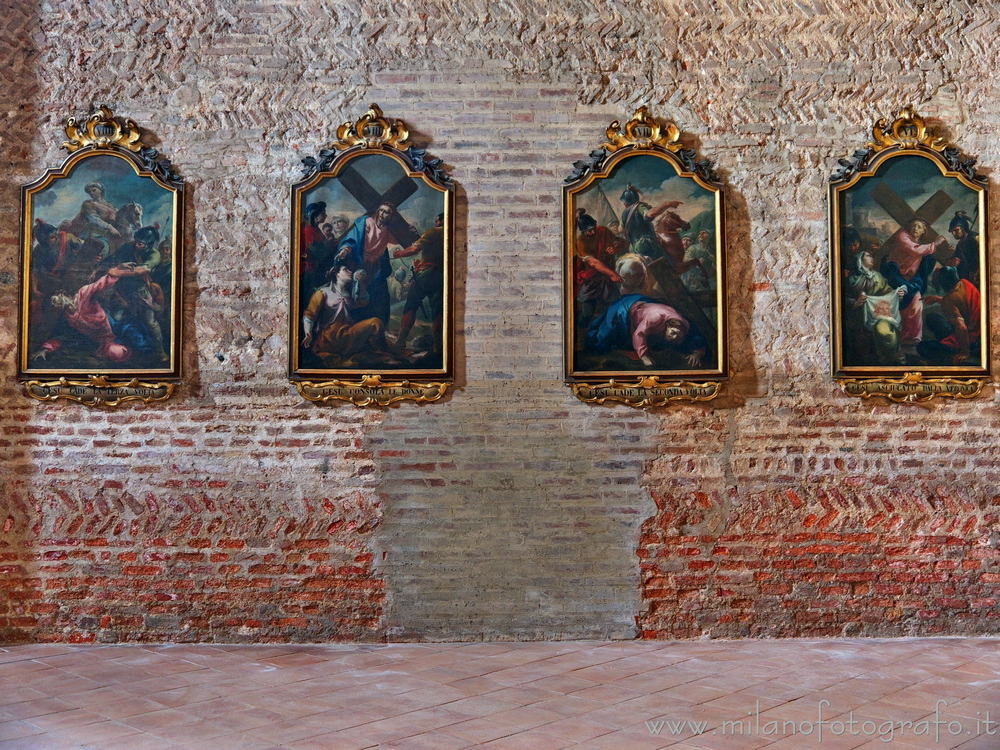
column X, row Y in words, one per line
column 681, row 300
column 931, row 210
column 371, row 199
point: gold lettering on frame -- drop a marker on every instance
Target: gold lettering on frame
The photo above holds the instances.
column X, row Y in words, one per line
column 912, row 387
column 648, row 391
column 371, row 391
column 99, row 391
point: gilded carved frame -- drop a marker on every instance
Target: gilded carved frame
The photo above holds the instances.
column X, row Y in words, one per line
column 899, row 329
column 100, row 311
column 661, row 270
column 388, row 361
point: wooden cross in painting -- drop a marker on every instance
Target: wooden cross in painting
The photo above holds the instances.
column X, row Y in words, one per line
column 371, row 199
column 930, row 211
column 680, row 297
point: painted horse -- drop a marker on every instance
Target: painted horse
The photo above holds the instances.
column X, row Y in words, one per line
column 126, row 220
column 668, row 226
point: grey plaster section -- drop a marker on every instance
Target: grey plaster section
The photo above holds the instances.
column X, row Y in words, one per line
column 508, row 517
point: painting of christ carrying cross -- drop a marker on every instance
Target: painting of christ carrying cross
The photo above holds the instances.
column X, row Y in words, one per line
column 908, row 258
column 371, row 260
column 644, row 268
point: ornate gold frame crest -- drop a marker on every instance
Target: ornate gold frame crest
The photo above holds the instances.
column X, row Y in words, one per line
column 922, row 371
column 95, row 380
column 650, row 386
column 373, row 134
column 373, row 130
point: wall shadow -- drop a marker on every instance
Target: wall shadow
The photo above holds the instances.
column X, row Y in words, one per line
column 744, row 378
column 22, row 118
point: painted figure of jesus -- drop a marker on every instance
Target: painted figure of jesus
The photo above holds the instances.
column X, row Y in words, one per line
column 910, row 263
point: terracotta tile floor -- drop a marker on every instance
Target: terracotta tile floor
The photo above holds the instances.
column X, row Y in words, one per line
column 448, row 696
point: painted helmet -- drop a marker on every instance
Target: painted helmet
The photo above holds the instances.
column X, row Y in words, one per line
column 630, row 195
column 148, row 236
column 961, row 219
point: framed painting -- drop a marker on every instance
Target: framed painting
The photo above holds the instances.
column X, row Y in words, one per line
column 644, row 270
column 101, row 268
column 908, row 267
column 371, row 301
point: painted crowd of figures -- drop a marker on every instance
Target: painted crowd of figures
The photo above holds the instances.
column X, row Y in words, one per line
column 350, row 288
column 644, row 271
column 99, row 283
column 100, row 287
column 889, row 316
column 645, row 288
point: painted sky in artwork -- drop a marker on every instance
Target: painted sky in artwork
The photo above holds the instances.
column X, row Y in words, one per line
column 656, row 180
column 914, row 179
column 61, row 200
column 381, row 171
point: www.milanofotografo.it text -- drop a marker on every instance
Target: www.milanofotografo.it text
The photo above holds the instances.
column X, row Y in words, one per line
column 939, row 727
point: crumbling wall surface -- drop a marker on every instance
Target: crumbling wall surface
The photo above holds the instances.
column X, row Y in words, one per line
column 236, row 511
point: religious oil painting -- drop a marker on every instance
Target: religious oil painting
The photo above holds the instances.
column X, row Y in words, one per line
column 908, row 258
column 371, row 262
column 644, row 262
column 101, row 239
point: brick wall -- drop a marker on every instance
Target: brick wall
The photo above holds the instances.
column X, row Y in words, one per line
column 855, row 530
column 238, row 512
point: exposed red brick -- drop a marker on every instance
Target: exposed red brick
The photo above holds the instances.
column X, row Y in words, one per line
column 851, row 553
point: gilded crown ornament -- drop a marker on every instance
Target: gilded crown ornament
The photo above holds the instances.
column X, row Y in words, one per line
column 372, row 130
column 643, row 130
column 908, row 130
column 375, row 131
column 102, row 130
column 644, row 133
